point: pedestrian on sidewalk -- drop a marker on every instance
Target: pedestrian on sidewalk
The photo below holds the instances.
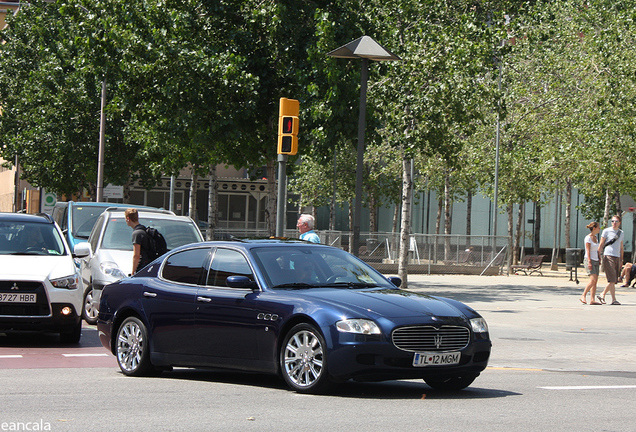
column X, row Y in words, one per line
column 592, row 263
column 611, row 247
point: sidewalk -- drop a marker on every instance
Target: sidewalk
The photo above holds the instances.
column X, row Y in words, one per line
column 538, row 322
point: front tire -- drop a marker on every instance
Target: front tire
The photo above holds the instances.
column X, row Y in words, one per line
column 450, row 383
column 72, row 336
column 132, row 348
column 303, row 360
column 89, row 313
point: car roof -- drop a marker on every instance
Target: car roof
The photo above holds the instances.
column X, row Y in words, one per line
column 250, row 243
column 26, row 217
column 101, row 204
column 147, row 213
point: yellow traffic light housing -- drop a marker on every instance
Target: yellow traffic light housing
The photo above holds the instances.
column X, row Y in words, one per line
column 288, row 126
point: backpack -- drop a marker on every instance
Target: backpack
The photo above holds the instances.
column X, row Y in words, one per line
column 158, row 245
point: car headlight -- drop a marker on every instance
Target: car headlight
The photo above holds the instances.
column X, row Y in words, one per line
column 68, row 282
column 479, row 325
column 359, row 326
column 111, row 269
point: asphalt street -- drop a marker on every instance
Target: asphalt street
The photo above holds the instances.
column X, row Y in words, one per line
column 538, row 322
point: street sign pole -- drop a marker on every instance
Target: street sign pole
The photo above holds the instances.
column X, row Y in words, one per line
column 282, row 195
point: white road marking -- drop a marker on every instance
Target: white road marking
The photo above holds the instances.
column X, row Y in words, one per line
column 10, row 356
column 588, row 387
column 85, row 355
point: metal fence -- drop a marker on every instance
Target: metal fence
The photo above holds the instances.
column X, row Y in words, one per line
column 428, row 253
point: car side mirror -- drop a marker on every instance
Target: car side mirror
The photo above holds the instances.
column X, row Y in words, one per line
column 82, row 250
column 241, row 282
column 395, row 281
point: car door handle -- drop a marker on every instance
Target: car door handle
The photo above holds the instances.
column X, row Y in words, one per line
column 204, row 299
column 149, row 294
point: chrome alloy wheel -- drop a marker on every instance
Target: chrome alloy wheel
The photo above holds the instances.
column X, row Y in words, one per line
column 131, row 343
column 303, row 358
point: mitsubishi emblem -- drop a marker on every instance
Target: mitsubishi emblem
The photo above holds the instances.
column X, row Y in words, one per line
column 15, row 286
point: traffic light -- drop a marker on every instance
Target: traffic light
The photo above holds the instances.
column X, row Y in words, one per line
column 288, row 126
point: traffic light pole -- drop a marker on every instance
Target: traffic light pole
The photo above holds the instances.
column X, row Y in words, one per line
column 281, row 204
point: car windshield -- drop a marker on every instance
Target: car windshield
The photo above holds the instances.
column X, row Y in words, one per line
column 298, row 267
column 27, row 238
column 84, row 218
column 118, row 235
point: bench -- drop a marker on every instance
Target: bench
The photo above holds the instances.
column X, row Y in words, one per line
column 530, row 264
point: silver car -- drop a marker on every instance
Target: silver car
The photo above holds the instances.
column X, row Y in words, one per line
column 107, row 255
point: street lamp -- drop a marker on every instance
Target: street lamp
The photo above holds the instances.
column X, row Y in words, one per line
column 364, row 48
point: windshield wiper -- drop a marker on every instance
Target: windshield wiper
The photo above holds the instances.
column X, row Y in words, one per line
column 352, row 285
column 298, row 285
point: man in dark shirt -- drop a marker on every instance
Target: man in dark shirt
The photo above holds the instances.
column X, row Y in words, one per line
column 140, row 239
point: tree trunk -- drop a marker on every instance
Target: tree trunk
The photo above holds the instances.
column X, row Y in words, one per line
column 350, row 214
column 213, row 199
column 469, row 210
column 516, row 247
column 537, row 229
column 568, row 211
column 194, row 183
column 606, row 214
column 510, row 210
column 127, row 192
column 407, row 192
column 395, row 244
column 448, row 211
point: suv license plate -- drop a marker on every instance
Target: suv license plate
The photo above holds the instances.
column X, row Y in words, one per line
column 17, row 298
column 434, row 359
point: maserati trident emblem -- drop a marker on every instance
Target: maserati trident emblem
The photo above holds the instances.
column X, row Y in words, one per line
column 15, row 286
column 437, row 339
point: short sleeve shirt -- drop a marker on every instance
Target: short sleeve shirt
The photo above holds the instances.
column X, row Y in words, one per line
column 615, row 248
column 593, row 248
column 140, row 237
column 310, row 236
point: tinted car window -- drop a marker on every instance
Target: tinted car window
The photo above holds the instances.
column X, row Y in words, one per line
column 118, row 235
column 84, row 218
column 318, row 266
column 30, row 238
column 226, row 263
column 186, row 266
column 97, row 229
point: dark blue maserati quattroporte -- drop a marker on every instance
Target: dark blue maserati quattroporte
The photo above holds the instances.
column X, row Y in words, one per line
column 315, row 314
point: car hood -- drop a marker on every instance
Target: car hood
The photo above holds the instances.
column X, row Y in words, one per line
column 123, row 258
column 389, row 303
column 36, row 267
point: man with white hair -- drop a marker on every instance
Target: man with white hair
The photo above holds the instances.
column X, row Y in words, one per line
column 305, row 226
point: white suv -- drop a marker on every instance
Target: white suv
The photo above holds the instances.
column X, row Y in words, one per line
column 107, row 256
column 40, row 287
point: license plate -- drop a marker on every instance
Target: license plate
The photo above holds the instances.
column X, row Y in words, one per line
column 17, row 298
column 434, row 359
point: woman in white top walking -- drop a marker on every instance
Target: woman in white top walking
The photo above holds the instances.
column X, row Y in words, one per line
column 591, row 258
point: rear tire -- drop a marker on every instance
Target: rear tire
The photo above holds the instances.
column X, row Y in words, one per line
column 132, row 348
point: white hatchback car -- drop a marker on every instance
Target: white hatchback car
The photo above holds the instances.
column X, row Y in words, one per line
column 107, row 256
column 40, row 286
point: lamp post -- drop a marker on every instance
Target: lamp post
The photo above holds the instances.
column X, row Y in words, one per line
column 364, row 48
column 100, row 157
